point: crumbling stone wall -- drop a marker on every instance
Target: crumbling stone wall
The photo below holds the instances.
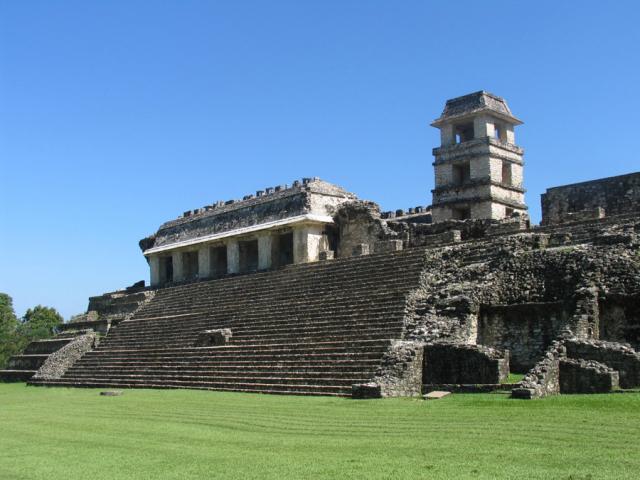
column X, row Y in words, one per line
column 544, row 378
column 620, row 318
column 359, row 223
column 525, row 329
column 109, row 309
column 60, row 361
column 586, row 376
column 455, row 363
column 274, row 203
column 618, row 356
column 615, row 194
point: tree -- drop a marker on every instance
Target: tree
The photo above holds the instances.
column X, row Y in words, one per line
column 9, row 344
column 39, row 322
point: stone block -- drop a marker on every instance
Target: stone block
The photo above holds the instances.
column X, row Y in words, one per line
column 326, row 255
column 459, row 363
column 366, row 390
column 388, row 246
column 436, row 395
column 586, row 376
column 213, row 338
column 450, row 236
column 360, row 249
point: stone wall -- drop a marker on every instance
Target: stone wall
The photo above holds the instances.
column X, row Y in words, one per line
column 620, row 319
column 455, row 363
column 60, row 361
column 526, row 329
column 359, row 223
column 615, row 195
column 544, row 378
column 272, row 204
column 618, row 356
column 400, row 373
column 586, row 376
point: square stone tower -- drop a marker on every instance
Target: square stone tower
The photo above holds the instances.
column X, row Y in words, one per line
column 478, row 167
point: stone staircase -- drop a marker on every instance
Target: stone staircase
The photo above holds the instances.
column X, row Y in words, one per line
column 22, row 367
column 313, row 329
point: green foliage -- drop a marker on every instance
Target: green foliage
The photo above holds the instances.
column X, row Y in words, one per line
column 60, row 433
column 8, row 329
column 40, row 322
column 15, row 335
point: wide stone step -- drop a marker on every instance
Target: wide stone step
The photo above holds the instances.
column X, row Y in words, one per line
column 332, row 390
column 245, row 378
column 27, row 362
column 245, row 331
column 47, row 346
column 333, row 329
column 273, row 306
column 16, row 375
column 321, row 363
column 312, row 370
column 259, row 340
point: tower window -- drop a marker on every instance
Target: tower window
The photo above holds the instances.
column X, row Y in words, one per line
column 506, row 173
column 499, row 132
column 461, row 173
column 461, row 213
column 464, row 132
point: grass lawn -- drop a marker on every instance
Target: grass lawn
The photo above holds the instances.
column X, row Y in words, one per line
column 58, row 433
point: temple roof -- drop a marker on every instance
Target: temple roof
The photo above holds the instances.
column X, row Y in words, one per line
column 474, row 103
column 310, row 198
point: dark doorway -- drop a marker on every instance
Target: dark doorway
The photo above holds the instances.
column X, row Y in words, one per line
column 284, row 255
column 166, row 270
column 248, row 256
column 190, row 265
column 218, row 259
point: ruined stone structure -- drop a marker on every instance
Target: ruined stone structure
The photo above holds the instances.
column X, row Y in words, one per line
column 277, row 226
column 478, row 166
column 309, row 290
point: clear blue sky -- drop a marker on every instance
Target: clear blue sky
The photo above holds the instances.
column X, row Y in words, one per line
column 116, row 116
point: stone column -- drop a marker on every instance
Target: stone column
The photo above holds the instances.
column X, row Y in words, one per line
column 233, row 256
column 447, row 135
column 154, row 267
column 265, row 241
column 308, row 241
column 178, row 266
column 204, row 262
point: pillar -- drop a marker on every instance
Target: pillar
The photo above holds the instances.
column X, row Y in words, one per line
column 178, row 266
column 308, row 241
column 204, row 262
column 265, row 242
column 154, row 267
column 233, row 256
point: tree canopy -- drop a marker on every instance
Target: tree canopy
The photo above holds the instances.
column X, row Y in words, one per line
column 38, row 322
column 8, row 329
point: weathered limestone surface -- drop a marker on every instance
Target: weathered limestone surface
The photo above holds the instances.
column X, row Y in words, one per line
column 615, row 195
column 311, row 196
column 213, row 338
column 478, row 169
column 586, row 376
column 60, row 361
column 459, row 363
column 618, row 356
column 399, row 374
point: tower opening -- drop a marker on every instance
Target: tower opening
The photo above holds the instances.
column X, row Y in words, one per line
column 461, row 173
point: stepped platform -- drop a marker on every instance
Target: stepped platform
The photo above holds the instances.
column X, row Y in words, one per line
column 312, row 329
column 24, row 366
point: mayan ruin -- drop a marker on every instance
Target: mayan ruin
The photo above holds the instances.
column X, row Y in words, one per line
column 307, row 289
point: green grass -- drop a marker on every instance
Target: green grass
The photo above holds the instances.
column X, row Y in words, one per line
column 514, row 377
column 71, row 434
